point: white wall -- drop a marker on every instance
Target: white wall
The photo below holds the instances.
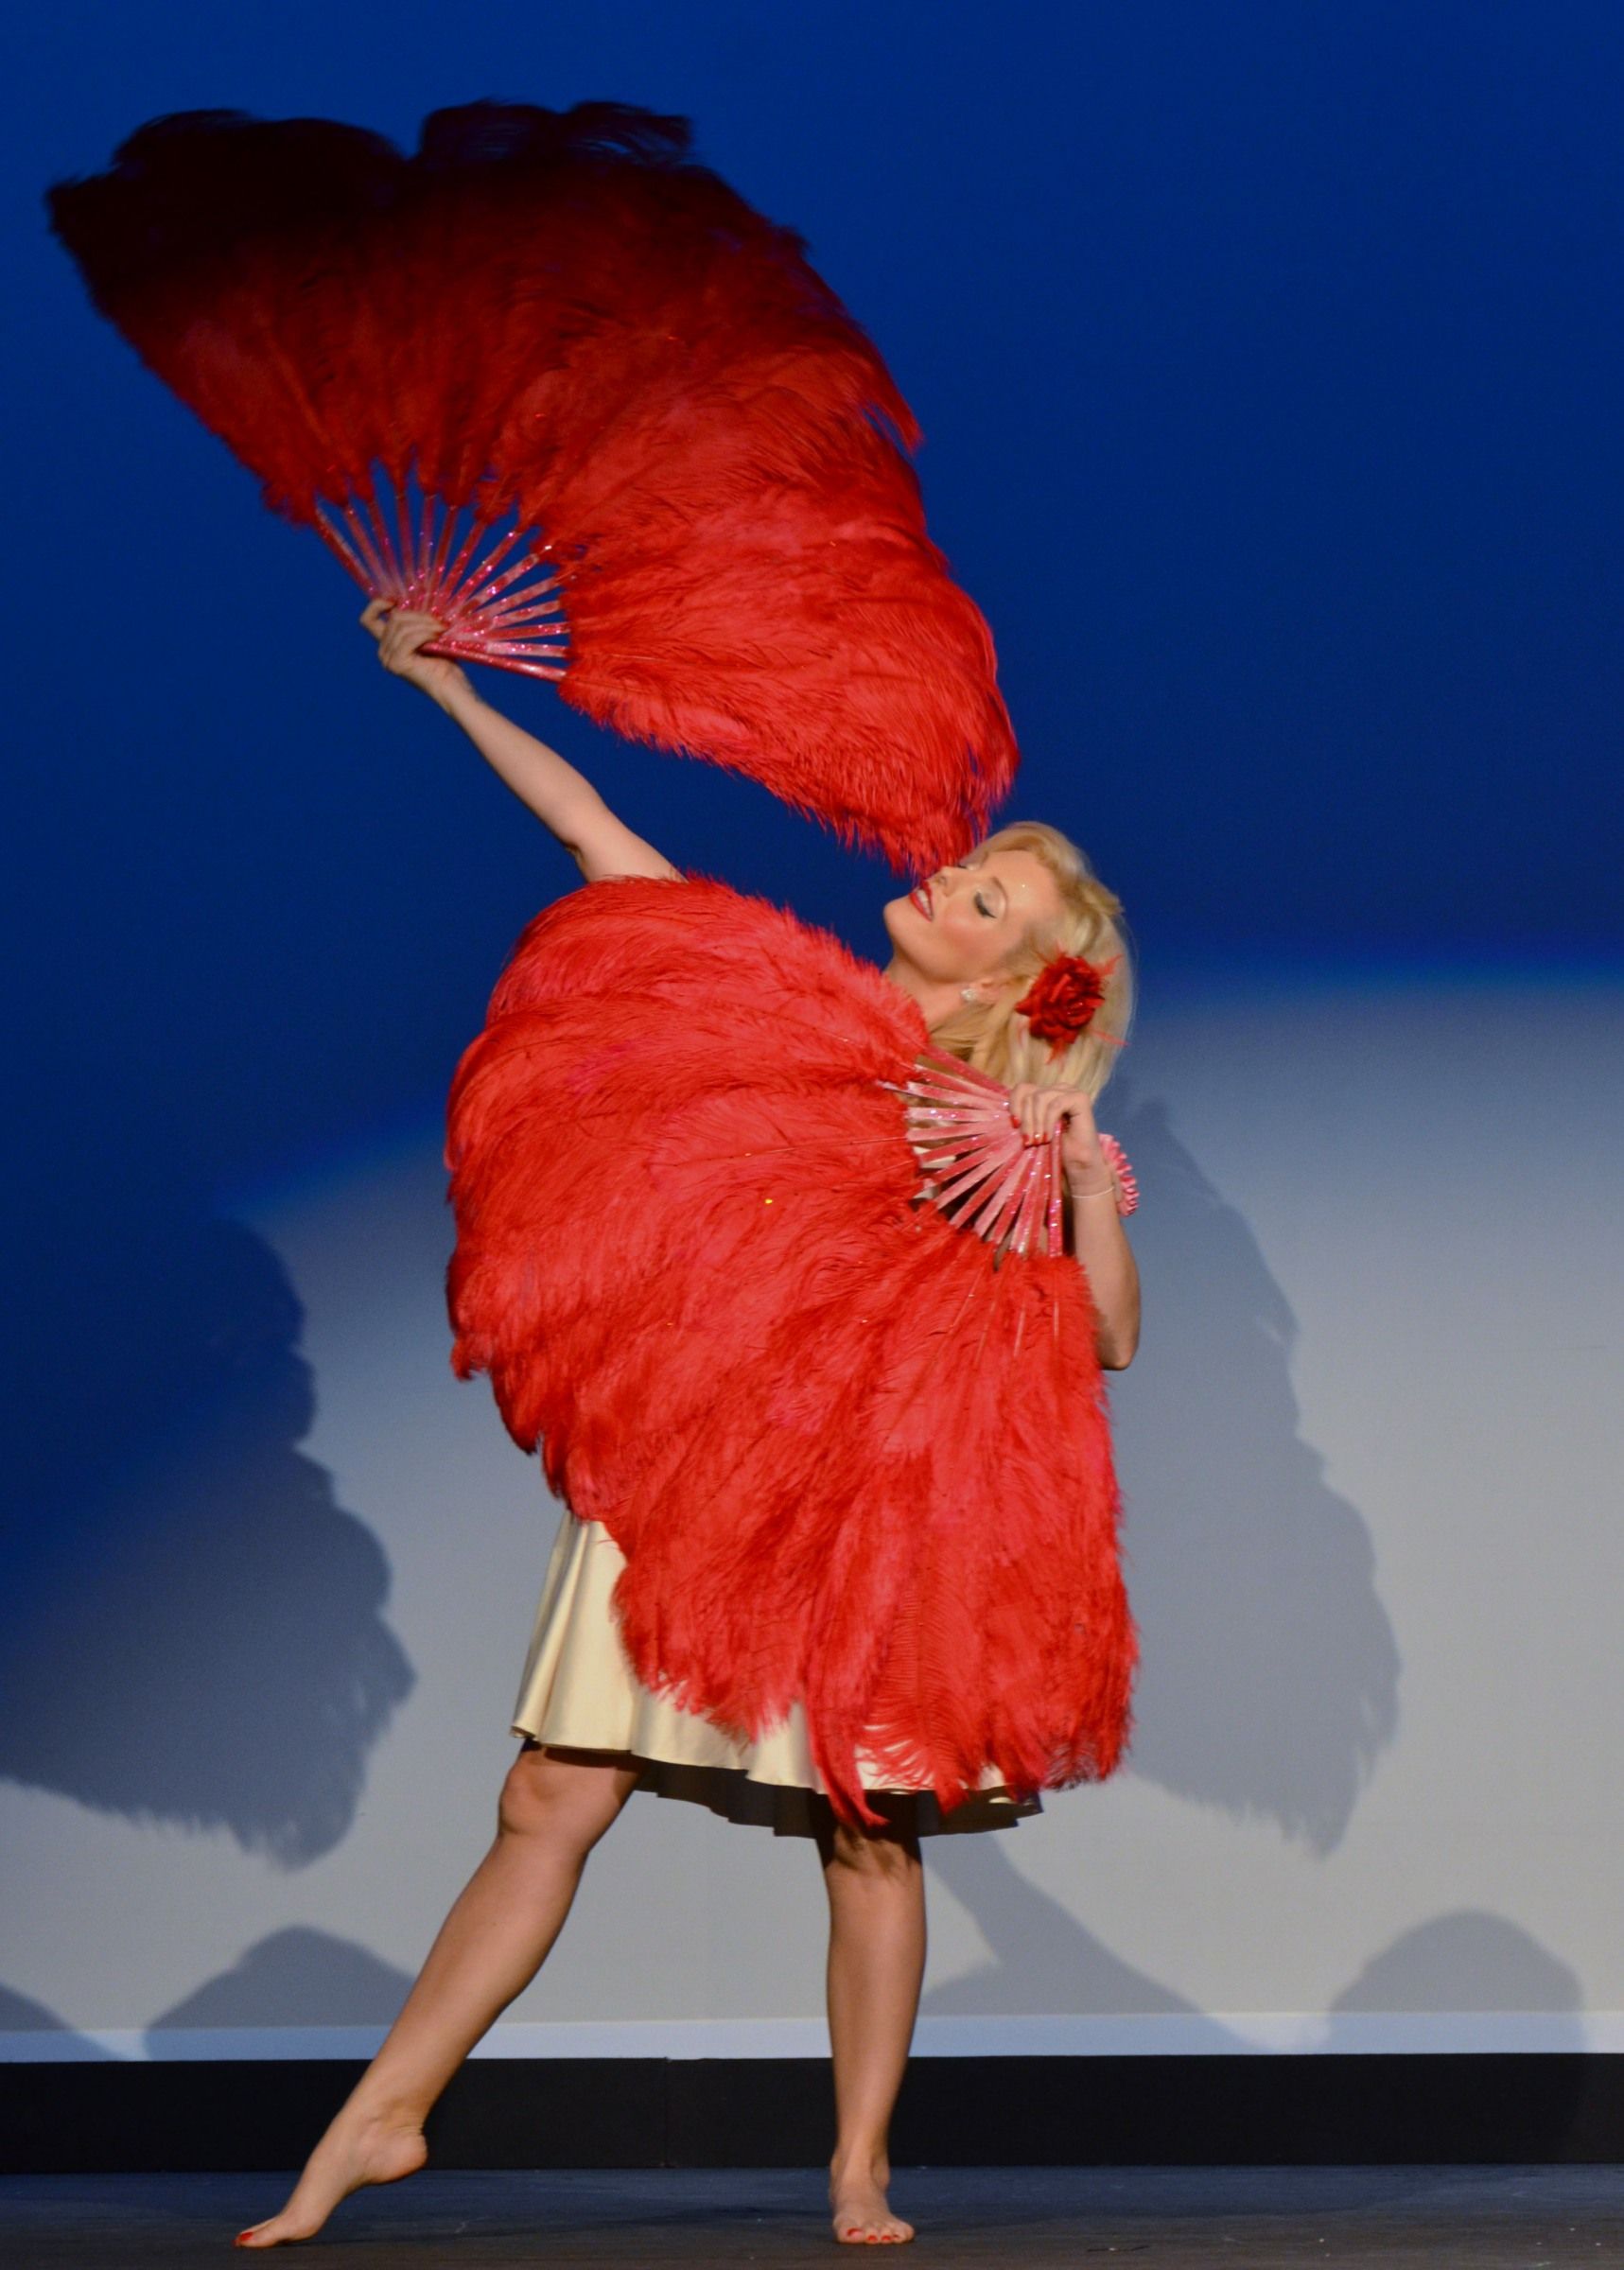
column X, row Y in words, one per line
column 1371, row 1449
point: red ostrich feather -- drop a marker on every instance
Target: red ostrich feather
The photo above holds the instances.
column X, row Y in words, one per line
column 854, row 1455
column 551, row 379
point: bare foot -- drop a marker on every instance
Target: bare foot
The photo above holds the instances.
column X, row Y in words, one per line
column 862, row 2217
column 355, row 2151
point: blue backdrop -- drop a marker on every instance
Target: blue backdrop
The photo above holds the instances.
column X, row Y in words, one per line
column 1268, row 361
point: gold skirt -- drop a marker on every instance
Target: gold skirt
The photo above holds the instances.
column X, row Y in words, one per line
column 579, row 1692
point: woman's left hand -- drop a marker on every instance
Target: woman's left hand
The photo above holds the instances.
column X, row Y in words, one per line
column 1035, row 1110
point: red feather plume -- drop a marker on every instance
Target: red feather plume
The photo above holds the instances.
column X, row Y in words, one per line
column 854, row 1455
column 553, row 380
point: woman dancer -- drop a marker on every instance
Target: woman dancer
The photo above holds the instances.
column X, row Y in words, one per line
column 591, row 1733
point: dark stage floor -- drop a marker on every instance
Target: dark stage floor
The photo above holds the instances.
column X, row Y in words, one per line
column 1488, row 2218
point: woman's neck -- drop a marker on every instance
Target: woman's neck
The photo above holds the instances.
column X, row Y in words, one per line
column 936, row 1001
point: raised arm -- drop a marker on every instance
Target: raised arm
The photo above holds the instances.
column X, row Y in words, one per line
column 563, row 799
column 1095, row 1230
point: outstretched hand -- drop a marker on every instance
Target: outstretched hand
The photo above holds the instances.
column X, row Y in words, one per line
column 400, row 633
column 1036, row 1109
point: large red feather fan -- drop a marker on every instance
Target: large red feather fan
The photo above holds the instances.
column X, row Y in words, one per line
column 853, row 1454
column 555, row 381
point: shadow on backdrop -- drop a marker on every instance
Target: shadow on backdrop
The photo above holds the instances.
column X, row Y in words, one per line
column 191, row 1626
column 20, row 2014
column 1469, row 1960
column 295, row 1976
column 1042, row 1963
column 1268, row 1675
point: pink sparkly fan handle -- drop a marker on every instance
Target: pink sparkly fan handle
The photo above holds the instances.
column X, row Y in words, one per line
column 1126, row 1183
column 979, row 1169
column 488, row 584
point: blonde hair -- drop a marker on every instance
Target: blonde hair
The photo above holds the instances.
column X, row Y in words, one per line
column 991, row 1037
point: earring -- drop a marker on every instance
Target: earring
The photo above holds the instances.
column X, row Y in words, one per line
column 968, row 993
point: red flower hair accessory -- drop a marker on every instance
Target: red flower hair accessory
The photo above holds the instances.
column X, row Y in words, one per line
column 1061, row 999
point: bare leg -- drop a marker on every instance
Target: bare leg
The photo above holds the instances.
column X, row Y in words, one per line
column 876, row 1965
column 554, row 1809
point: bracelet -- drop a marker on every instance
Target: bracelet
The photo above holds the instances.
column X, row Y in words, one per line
column 1108, row 1191
column 1124, row 1188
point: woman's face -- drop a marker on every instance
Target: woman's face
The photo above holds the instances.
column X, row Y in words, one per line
column 961, row 923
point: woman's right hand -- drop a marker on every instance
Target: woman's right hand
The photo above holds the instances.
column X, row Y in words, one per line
column 400, row 632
